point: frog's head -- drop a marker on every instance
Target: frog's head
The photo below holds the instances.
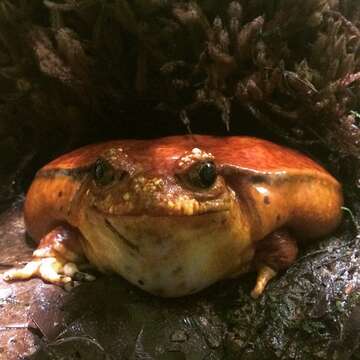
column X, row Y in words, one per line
column 183, row 185
column 166, row 219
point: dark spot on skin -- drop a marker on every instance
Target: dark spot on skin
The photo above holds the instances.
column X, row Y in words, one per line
column 141, row 282
column 278, row 217
column 258, row 179
column 177, row 270
column 60, row 193
column 266, row 200
column 61, row 208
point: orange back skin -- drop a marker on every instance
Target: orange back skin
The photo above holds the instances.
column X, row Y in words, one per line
column 260, row 173
column 159, row 154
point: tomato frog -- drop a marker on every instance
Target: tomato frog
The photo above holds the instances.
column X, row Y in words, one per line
column 174, row 215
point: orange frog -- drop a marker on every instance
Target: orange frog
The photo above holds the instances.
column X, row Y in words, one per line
column 174, row 215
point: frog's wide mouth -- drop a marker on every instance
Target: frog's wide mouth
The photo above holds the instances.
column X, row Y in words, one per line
column 137, row 214
column 180, row 211
column 178, row 207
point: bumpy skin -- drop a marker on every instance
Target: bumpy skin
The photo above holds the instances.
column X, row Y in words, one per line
column 148, row 220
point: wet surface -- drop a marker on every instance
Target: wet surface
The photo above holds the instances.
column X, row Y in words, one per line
column 16, row 299
column 310, row 312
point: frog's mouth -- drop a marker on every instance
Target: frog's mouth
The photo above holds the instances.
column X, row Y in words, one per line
column 179, row 207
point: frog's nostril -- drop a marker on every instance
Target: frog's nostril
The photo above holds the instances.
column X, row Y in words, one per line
column 121, row 174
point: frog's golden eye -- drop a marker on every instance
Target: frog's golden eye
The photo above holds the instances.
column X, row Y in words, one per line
column 103, row 172
column 203, row 174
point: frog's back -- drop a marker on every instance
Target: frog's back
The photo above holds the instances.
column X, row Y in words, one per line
column 240, row 151
column 259, row 155
column 247, row 152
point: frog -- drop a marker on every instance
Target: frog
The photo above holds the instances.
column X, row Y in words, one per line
column 176, row 214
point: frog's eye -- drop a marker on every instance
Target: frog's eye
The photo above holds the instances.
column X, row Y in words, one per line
column 103, row 172
column 203, row 174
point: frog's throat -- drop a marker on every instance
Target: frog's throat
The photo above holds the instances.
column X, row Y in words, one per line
column 168, row 255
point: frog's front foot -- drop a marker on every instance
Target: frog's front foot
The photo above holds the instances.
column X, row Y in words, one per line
column 50, row 269
column 55, row 260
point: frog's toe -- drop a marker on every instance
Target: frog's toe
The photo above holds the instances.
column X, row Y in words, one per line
column 26, row 272
column 81, row 276
column 71, row 269
column 265, row 274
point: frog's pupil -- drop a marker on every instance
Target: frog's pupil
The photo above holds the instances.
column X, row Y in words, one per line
column 99, row 171
column 207, row 174
column 103, row 173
